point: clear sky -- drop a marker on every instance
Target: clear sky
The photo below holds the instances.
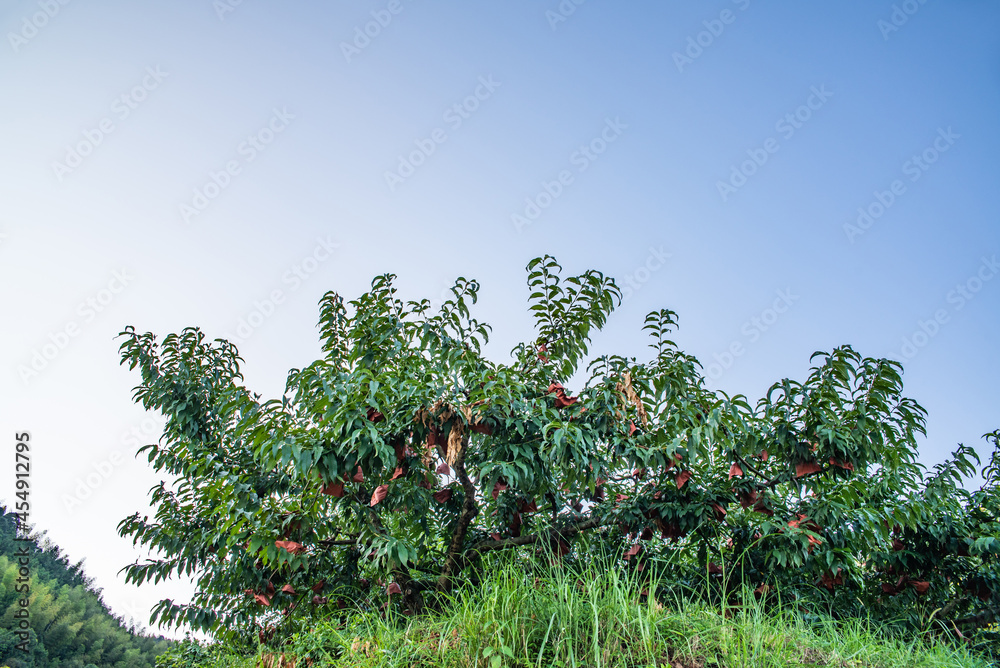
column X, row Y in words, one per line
column 788, row 177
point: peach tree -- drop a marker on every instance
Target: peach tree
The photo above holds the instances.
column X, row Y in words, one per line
column 393, row 465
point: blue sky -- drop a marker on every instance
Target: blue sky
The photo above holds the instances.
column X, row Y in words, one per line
column 217, row 163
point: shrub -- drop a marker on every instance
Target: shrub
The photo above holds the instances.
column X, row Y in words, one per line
column 394, row 465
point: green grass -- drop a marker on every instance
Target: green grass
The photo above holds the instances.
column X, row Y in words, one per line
column 600, row 620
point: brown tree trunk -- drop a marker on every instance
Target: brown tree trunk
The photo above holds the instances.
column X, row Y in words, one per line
column 469, row 511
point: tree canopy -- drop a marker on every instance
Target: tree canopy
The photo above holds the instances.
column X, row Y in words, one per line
column 390, row 467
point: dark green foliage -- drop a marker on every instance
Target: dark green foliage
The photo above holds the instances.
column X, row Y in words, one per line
column 391, row 466
column 47, row 560
column 190, row 652
column 70, row 625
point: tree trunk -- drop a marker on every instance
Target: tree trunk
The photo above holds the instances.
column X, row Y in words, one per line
column 469, row 512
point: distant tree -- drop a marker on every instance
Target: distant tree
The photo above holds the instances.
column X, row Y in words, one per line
column 393, row 464
column 69, row 625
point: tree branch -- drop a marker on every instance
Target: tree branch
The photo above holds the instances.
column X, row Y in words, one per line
column 750, row 467
column 565, row 532
column 469, row 512
column 981, row 619
column 951, row 605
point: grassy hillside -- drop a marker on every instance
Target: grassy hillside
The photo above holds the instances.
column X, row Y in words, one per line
column 594, row 619
column 68, row 624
